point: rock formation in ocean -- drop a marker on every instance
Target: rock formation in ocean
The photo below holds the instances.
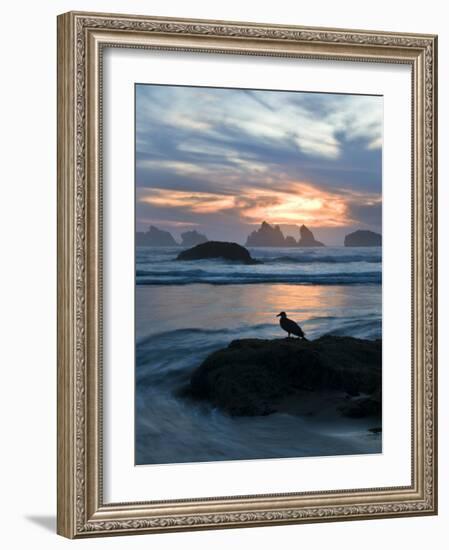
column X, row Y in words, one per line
column 307, row 237
column 218, row 249
column 192, row 238
column 266, row 235
column 363, row 238
column 290, row 241
column 257, row 377
column 271, row 235
column 155, row 237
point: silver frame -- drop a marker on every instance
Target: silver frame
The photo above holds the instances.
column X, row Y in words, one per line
column 81, row 40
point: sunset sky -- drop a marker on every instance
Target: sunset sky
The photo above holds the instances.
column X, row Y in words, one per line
column 221, row 161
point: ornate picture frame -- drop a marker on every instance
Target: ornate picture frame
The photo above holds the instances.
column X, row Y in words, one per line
column 82, row 39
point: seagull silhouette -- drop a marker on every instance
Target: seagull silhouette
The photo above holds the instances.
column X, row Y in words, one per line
column 290, row 326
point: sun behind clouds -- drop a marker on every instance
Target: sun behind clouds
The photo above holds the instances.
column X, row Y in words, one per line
column 299, row 202
column 226, row 159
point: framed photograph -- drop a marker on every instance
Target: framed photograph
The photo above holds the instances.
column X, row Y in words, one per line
column 246, row 274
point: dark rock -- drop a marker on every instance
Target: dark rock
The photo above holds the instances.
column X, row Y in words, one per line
column 250, row 377
column 155, row 237
column 192, row 238
column 266, row 235
column 363, row 238
column 362, row 407
column 217, row 249
column 376, row 430
column 307, row 238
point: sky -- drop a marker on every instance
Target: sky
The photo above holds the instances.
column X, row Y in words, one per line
column 222, row 160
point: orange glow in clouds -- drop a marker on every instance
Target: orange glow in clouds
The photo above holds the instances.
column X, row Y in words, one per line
column 302, row 203
column 299, row 203
column 201, row 203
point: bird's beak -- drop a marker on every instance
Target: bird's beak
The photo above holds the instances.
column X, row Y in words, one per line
column 278, row 315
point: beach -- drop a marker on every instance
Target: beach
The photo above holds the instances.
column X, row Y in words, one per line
column 187, row 310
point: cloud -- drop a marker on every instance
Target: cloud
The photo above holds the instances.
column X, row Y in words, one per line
column 313, row 126
column 175, row 166
column 301, row 203
column 145, row 222
column 367, row 213
column 229, row 156
column 200, row 203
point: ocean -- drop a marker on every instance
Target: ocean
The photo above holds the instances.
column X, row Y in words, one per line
column 187, row 310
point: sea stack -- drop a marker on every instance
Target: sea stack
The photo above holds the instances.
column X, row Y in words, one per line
column 363, row 238
column 307, row 237
column 155, row 237
column 290, row 241
column 271, row 235
column 266, row 235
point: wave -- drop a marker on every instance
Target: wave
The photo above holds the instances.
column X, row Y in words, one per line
column 166, row 359
column 303, row 259
column 186, row 278
column 309, row 259
column 180, row 273
column 187, row 334
column 243, row 330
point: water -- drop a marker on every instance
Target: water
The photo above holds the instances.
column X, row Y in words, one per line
column 337, row 265
column 186, row 310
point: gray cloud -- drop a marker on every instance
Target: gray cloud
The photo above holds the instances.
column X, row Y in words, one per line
column 223, row 140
